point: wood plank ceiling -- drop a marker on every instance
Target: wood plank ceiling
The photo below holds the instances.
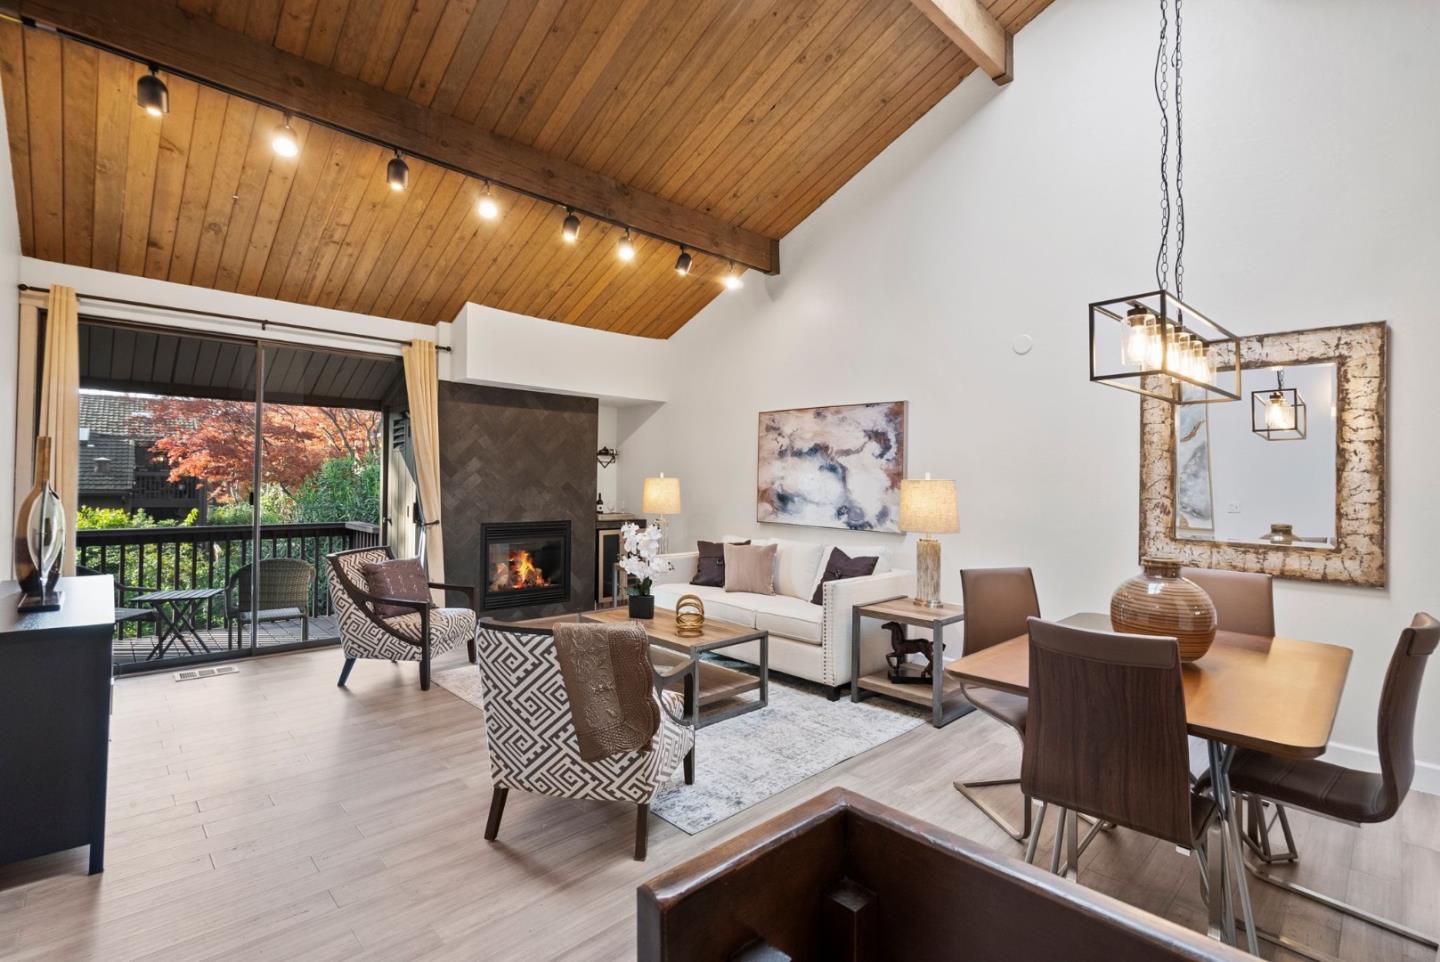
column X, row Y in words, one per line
column 754, row 112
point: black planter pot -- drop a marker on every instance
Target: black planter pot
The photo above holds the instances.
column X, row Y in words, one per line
column 642, row 606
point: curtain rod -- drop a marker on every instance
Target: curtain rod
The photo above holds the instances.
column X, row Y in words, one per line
column 264, row 323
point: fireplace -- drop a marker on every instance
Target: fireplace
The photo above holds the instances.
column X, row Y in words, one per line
column 524, row 563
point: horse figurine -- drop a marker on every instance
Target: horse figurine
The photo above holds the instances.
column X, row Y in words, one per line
column 901, row 648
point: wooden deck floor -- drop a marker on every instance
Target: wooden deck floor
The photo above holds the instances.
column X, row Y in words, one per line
column 270, row 815
column 271, row 634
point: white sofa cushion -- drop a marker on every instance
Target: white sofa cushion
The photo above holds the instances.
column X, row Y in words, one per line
column 735, row 607
column 797, row 565
column 789, row 617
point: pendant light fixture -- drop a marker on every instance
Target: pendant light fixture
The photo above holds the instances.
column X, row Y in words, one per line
column 283, row 141
column 486, row 207
column 152, row 94
column 683, row 262
column 1154, row 343
column 1279, row 414
column 570, row 230
column 397, row 173
column 625, row 250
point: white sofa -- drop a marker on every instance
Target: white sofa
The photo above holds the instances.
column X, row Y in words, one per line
column 806, row 640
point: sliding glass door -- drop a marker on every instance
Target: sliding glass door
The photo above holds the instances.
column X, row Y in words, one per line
column 216, row 474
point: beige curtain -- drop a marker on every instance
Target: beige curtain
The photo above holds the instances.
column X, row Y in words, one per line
column 60, row 405
column 422, row 384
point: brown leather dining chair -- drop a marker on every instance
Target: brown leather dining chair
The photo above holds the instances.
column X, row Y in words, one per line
column 997, row 603
column 1244, row 600
column 1346, row 794
column 1106, row 737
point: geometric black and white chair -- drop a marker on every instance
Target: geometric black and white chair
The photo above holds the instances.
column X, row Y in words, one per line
column 422, row 633
column 532, row 740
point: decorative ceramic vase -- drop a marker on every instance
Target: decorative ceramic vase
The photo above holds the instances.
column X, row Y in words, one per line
column 642, row 606
column 1160, row 602
column 39, row 530
column 689, row 616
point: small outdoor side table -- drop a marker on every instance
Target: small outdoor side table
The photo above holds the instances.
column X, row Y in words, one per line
column 942, row 696
column 175, row 614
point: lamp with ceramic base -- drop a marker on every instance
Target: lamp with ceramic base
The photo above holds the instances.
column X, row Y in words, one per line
column 661, row 497
column 927, row 506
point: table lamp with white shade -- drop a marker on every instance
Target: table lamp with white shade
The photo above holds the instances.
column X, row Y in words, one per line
column 927, row 506
column 660, row 498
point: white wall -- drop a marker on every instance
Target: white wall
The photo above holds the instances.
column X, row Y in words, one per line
column 1311, row 154
column 9, row 334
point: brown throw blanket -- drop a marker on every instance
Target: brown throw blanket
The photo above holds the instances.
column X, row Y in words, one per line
column 607, row 674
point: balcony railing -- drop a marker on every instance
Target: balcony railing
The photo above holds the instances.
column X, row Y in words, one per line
column 204, row 556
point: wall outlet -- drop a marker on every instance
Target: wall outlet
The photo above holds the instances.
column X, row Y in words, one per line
column 1233, row 507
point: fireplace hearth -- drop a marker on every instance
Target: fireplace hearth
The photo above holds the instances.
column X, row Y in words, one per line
column 524, row 563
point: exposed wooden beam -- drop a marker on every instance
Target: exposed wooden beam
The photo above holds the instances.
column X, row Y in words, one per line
column 974, row 30
column 155, row 31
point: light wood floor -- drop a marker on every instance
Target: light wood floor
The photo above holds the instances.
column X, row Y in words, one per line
column 270, row 815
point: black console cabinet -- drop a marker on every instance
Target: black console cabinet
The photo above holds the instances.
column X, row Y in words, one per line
column 55, row 721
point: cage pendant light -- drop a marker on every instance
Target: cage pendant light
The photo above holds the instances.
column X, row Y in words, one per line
column 1154, row 343
column 1279, row 414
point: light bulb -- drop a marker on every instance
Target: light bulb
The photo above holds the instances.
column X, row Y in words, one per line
column 625, row 250
column 397, row 173
column 152, row 94
column 682, row 263
column 570, row 231
column 732, row 278
column 1279, row 416
column 1133, row 342
column 1172, row 350
column 1153, row 340
column 283, row 140
column 486, row 207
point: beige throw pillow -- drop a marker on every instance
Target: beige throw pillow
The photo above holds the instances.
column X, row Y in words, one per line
column 750, row 568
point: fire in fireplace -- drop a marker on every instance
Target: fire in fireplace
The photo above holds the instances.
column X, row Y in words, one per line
column 525, row 563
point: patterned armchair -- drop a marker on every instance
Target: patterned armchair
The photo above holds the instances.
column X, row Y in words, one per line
column 532, row 741
column 419, row 635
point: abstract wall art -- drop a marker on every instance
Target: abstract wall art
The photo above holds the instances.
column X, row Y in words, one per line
column 832, row 467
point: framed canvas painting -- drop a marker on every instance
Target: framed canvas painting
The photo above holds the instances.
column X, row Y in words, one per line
column 832, row 467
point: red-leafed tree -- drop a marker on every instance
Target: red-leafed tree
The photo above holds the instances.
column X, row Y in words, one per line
column 214, row 441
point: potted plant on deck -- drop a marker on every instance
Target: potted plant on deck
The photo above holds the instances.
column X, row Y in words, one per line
column 642, row 562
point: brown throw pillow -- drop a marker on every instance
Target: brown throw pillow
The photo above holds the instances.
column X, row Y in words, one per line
column 842, row 566
column 750, row 568
column 401, row 578
column 710, row 570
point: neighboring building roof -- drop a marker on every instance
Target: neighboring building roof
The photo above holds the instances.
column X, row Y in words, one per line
column 133, row 416
column 107, row 464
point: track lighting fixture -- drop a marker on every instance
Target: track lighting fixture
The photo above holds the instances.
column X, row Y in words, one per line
column 732, row 278
column 571, row 231
column 626, row 248
column 682, row 263
column 487, row 208
column 152, row 94
column 397, row 172
column 283, row 140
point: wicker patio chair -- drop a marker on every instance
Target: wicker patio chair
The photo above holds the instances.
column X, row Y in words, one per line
column 285, row 585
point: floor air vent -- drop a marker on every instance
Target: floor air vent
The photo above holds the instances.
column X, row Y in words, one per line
column 205, row 672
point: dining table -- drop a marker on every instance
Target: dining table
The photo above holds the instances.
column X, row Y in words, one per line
column 1270, row 694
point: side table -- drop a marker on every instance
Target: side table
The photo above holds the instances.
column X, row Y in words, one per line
column 943, row 697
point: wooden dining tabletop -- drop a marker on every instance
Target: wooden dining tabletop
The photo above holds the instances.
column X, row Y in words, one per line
column 1278, row 695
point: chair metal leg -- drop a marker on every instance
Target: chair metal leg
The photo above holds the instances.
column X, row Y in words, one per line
column 1404, row 931
column 345, row 672
column 967, row 789
column 1237, row 849
column 642, row 830
column 1035, row 832
column 1257, row 832
column 690, row 767
column 425, row 664
column 1059, row 841
column 1072, row 839
column 497, row 809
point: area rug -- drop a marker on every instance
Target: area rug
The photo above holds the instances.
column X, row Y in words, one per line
column 744, row 760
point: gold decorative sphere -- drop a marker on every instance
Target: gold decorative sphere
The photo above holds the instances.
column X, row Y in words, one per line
column 689, row 616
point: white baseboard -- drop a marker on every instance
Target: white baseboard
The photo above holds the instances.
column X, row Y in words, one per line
column 1427, row 774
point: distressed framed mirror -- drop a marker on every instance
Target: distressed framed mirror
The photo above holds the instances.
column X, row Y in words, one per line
column 1290, row 480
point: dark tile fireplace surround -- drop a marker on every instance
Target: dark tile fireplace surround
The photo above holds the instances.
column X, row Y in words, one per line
column 518, row 475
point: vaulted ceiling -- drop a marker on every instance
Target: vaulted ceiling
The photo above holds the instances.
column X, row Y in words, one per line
column 732, row 118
